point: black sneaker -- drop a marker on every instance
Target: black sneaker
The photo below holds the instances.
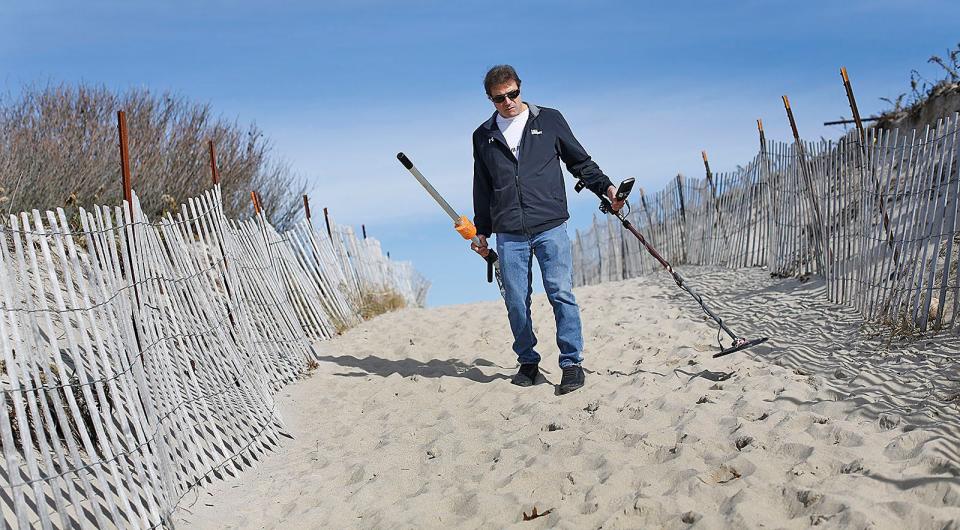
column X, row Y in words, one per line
column 572, row 379
column 526, row 375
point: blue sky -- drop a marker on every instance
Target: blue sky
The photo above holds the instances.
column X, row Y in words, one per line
column 341, row 86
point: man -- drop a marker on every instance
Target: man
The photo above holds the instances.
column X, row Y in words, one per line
column 518, row 193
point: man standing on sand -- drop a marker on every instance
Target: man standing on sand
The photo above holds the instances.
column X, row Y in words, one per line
column 518, row 194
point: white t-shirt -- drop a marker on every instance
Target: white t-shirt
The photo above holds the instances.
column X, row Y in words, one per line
column 512, row 129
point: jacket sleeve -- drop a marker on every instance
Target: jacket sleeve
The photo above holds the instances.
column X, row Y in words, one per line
column 482, row 189
column 577, row 160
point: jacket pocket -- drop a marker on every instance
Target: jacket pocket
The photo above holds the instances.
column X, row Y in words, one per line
column 559, row 193
column 499, row 196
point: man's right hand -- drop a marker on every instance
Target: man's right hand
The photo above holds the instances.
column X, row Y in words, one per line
column 482, row 248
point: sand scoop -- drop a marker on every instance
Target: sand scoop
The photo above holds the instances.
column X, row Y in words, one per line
column 739, row 343
column 461, row 223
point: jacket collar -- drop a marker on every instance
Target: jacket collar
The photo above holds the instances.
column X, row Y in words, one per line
column 491, row 124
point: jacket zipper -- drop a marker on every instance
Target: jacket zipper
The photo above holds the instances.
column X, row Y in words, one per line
column 526, row 129
column 523, row 224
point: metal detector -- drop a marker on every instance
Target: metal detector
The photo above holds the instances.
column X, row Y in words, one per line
column 739, row 343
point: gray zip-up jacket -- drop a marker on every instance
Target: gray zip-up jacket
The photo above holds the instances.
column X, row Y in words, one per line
column 527, row 197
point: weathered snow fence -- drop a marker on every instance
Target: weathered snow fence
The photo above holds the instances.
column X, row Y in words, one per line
column 877, row 213
column 139, row 358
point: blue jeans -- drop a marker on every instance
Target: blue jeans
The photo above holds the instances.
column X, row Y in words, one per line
column 552, row 249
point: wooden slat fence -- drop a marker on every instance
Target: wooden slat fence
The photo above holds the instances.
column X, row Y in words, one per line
column 877, row 219
column 140, row 358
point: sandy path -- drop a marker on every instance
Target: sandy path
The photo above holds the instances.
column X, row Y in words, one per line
column 410, row 422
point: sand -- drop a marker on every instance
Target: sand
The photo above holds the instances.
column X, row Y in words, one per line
column 410, row 421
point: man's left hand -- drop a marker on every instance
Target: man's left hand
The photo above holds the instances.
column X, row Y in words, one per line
column 615, row 205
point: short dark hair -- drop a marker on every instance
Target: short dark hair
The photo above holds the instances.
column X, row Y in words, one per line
column 498, row 75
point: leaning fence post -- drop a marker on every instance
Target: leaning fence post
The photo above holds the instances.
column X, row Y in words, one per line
column 706, row 166
column 713, row 195
column 215, row 177
column 763, row 137
column 863, row 151
column 127, row 188
column 313, row 247
column 773, row 210
column 136, row 358
column 683, row 219
column 812, row 197
column 600, row 247
column 125, row 160
column 716, row 207
column 127, row 196
column 581, row 265
column 646, row 211
column 326, row 219
column 214, row 171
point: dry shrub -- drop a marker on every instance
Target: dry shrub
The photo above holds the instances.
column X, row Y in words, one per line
column 58, row 148
column 59, row 385
column 373, row 304
column 907, row 108
column 339, row 325
column 900, row 327
column 308, row 370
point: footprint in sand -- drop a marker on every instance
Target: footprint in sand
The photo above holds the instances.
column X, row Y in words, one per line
column 855, row 466
column 633, row 411
column 743, row 442
column 887, row 422
column 721, row 475
column 797, row 451
column 665, row 454
column 358, row 473
column 835, row 435
column 907, row 446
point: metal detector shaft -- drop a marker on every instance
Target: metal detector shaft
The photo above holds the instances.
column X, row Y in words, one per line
column 739, row 343
column 676, row 275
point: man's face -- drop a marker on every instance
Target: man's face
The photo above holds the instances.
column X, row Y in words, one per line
column 508, row 108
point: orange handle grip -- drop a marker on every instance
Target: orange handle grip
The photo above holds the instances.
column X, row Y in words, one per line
column 465, row 228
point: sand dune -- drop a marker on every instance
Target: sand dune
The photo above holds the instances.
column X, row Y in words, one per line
column 410, row 422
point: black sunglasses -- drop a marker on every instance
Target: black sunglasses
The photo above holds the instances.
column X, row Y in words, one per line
column 500, row 98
